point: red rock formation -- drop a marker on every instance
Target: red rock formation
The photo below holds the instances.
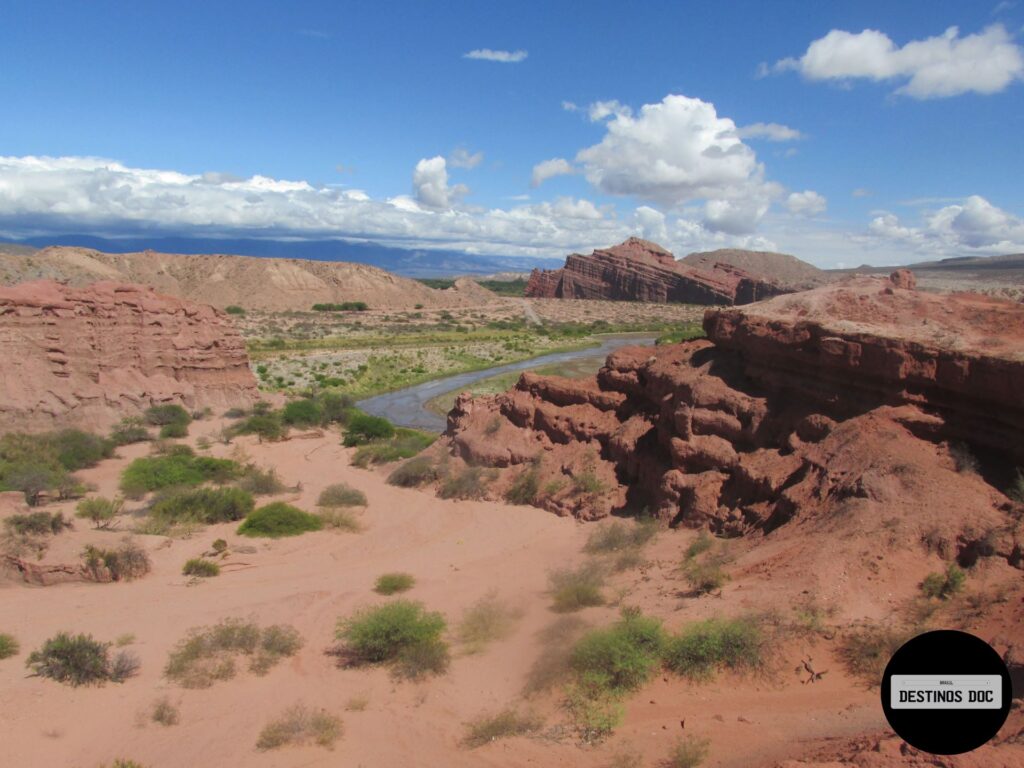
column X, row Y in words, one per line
column 806, row 407
column 638, row 270
column 89, row 356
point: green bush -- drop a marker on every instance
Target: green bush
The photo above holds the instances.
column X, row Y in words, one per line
column 77, row 449
column 8, row 646
column 594, row 717
column 468, row 483
column 335, row 407
column 944, row 585
column 300, row 725
column 587, row 482
column 503, row 725
column 80, row 660
column 178, row 468
column 203, row 505
column 302, row 413
column 126, row 563
column 177, row 429
column 341, row 495
column 524, row 487
column 622, row 657
column 207, row 654
column 400, row 632
column 688, row 752
column 266, row 426
column 414, row 473
column 405, row 444
column 345, row 306
column 279, row 519
column 129, row 430
column 199, row 566
column 99, row 511
column 162, row 415
column 700, row 545
column 234, row 309
column 37, row 523
column 363, row 428
column 573, row 589
column 618, row 536
column 704, row 647
column 391, row 583
column 35, row 464
column 260, row 482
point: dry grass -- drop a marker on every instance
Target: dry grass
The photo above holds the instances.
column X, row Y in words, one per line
column 552, row 667
column 503, row 725
column 164, row 712
column 340, row 520
column 487, row 620
column 573, row 589
column 300, row 725
column 208, row 654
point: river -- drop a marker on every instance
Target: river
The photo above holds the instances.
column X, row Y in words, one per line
column 407, row 407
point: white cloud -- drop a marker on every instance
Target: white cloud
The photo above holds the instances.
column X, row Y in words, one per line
column 861, row 192
column 430, row 183
column 973, row 227
column 505, row 57
column 599, row 110
column 769, row 131
column 463, row 158
column 680, row 150
column 806, row 203
column 570, row 106
column 556, row 166
column 651, row 224
column 935, row 67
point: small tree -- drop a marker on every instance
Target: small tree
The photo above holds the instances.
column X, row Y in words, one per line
column 100, row 511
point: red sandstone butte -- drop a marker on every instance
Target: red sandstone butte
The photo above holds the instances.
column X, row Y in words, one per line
column 88, row 356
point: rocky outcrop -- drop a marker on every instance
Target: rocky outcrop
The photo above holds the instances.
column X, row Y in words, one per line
column 89, row 356
column 843, row 400
column 638, row 270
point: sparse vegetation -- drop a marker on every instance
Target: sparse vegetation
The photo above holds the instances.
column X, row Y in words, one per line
column 207, row 654
column 405, row 444
column 704, row 647
column 414, row 473
column 260, row 482
column 489, row 619
column 341, row 495
column 126, row 563
column 573, row 589
column 619, row 658
column 392, row 583
column 688, row 752
column 131, row 429
column 587, row 482
column 278, row 519
column 362, row 428
column 80, row 660
column 42, row 463
column 179, row 467
column 702, row 567
column 618, row 536
column 201, row 567
column 100, row 511
column 401, row 633
column 944, row 585
column 345, row 306
column 594, row 717
column 164, row 712
column 234, row 309
column 162, row 415
column 467, row 483
column 177, row 429
column 552, row 666
column 525, row 486
column 340, row 520
column 503, row 725
column 202, row 505
column 37, row 523
column 866, row 650
column 300, row 725
column 8, row 646
column 266, row 426
column 302, row 413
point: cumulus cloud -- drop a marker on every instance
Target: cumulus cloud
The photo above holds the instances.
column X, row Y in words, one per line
column 769, row 131
column 599, row 110
column 504, row 57
column 935, row 67
column 676, row 151
column 806, row 203
column 463, row 158
column 430, row 184
column 973, row 227
column 556, row 166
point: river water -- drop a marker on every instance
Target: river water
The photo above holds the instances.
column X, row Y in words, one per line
column 407, row 407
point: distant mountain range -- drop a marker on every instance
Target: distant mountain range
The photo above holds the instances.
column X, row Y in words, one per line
column 411, row 263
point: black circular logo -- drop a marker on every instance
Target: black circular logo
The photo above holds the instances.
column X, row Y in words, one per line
column 946, row 692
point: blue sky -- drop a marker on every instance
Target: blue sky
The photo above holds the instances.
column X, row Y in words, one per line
column 369, row 121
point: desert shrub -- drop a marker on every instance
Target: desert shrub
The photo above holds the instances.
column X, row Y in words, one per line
column 176, row 429
column 80, row 660
column 573, row 589
column 414, row 473
column 179, row 467
column 621, row 657
column 207, row 654
column 162, row 415
column 488, row 619
column 401, row 632
column 37, row 523
column 340, row 520
column 260, row 482
column 266, row 426
column 129, row 430
column 341, row 495
column 363, row 428
column 587, row 482
column 687, row 752
column 32, row 481
column 392, row 583
column 199, row 566
column 202, row 505
column 302, row 413
column 944, row 585
column 126, row 563
column 278, row 519
column 335, row 407
column 503, row 725
column 99, row 511
column 344, row 306
column 700, row 545
column 468, row 483
column 704, row 576
column 235, row 413
column 77, row 449
column 704, row 647
column 300, row 725
column 619, row 536
column 405, row 444
column 8, row 646
column 34, row 464
column 593, row 717
column 524, row 487
column 234, row 309
column 865, row 651
column 164, row 712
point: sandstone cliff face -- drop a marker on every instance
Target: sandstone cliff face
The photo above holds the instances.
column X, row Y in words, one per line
column 88, row 356
column 638, row 270
column 809, row 408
